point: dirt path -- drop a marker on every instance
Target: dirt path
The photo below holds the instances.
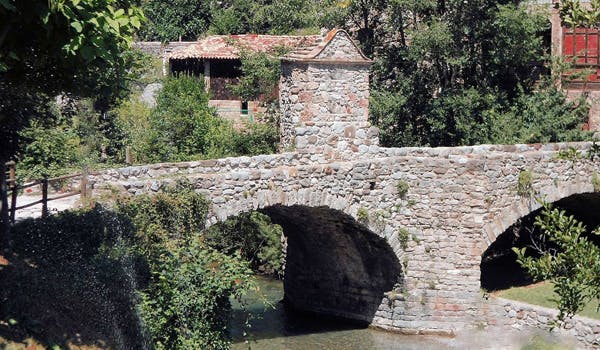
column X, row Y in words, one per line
column 35, row 211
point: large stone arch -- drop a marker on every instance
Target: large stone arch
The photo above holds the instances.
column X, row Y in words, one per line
column 260, row 199
column 335, row 266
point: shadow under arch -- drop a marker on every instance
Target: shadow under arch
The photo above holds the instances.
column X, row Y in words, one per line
column 499, row 268
column 334, row 265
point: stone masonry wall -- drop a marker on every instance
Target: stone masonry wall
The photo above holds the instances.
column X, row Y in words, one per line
column 325, row 109
column 459, row 200
column 521, row 315
column 157, row 48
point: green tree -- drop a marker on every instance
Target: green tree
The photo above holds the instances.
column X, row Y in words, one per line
column 567, row 258
column 263, row 16
column 573, row 14
column 47, row 152
column 186, row 302
column 453, row 73
column 366, row 16
column 254, row 237
column 182, row 125
column 57, row 46
column 174, row 20
column 260, row 74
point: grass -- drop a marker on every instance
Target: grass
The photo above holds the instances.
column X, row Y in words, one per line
column 538, row 343
column 542, row 294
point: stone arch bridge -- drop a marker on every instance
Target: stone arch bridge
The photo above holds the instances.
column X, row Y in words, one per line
column 359, row 248
column 392, row 237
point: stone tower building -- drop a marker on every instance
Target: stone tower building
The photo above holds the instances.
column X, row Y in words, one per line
column 324, row 98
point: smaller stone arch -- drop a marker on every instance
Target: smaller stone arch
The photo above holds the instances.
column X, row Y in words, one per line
column 526, row 205
column 499, row 268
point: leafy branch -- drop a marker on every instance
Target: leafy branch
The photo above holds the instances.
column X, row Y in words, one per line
column 572, row 263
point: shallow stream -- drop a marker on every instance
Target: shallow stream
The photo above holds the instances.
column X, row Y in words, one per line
column 276, row 328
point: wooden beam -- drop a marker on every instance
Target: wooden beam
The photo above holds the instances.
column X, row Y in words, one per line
column 207, row 75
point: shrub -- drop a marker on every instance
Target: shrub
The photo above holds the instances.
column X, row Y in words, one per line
column 254, row 237
column 402, row 188
column 47, row 151
column 596, row 182
column 570, row 260
column 362, row 215
column 133, row 117
column 256, row 138
column 403, row 236
column 186, row 303
column 525, row 183
column 261, row 71
column 182, row 125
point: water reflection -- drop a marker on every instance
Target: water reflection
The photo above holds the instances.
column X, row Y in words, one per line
column 276, row 327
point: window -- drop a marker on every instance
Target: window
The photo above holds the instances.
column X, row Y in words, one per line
column 580, row 47
column 244, row 107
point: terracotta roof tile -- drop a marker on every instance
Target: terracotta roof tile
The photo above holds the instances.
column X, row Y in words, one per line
column 222, row 47
column 312, row 52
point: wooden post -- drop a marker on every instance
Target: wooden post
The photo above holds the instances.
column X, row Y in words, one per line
column 207, row 75
column 45, row 197
column 83, row 186
column 4, row 220
column 127, row 155
column 14, row 192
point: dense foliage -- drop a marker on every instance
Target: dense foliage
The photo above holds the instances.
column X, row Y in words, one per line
column 254, row 237
column 186, row 303
column 574, row 14
column 568, row 259
column 264, row 16
column 148, row 254
column 51, row 47
column 182, row 127
column 260, row 75
column 69, row 38
column 175, row 20
column 458, row 73
column 71, row 277
column 190, row 19
column 182, row 124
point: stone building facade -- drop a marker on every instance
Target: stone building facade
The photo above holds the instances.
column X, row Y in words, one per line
column 590, row 86
column 324, row 99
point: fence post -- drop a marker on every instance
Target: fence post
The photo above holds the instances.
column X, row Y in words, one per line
column 127, row 155
column 14, row 191
column 4, row 223
column 83, row 186
column 45, row 197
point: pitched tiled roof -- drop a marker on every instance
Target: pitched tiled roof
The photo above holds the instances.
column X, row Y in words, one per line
column 227, row 46
column 312, row 52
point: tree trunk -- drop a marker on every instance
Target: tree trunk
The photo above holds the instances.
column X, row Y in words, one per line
column 4, row 217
